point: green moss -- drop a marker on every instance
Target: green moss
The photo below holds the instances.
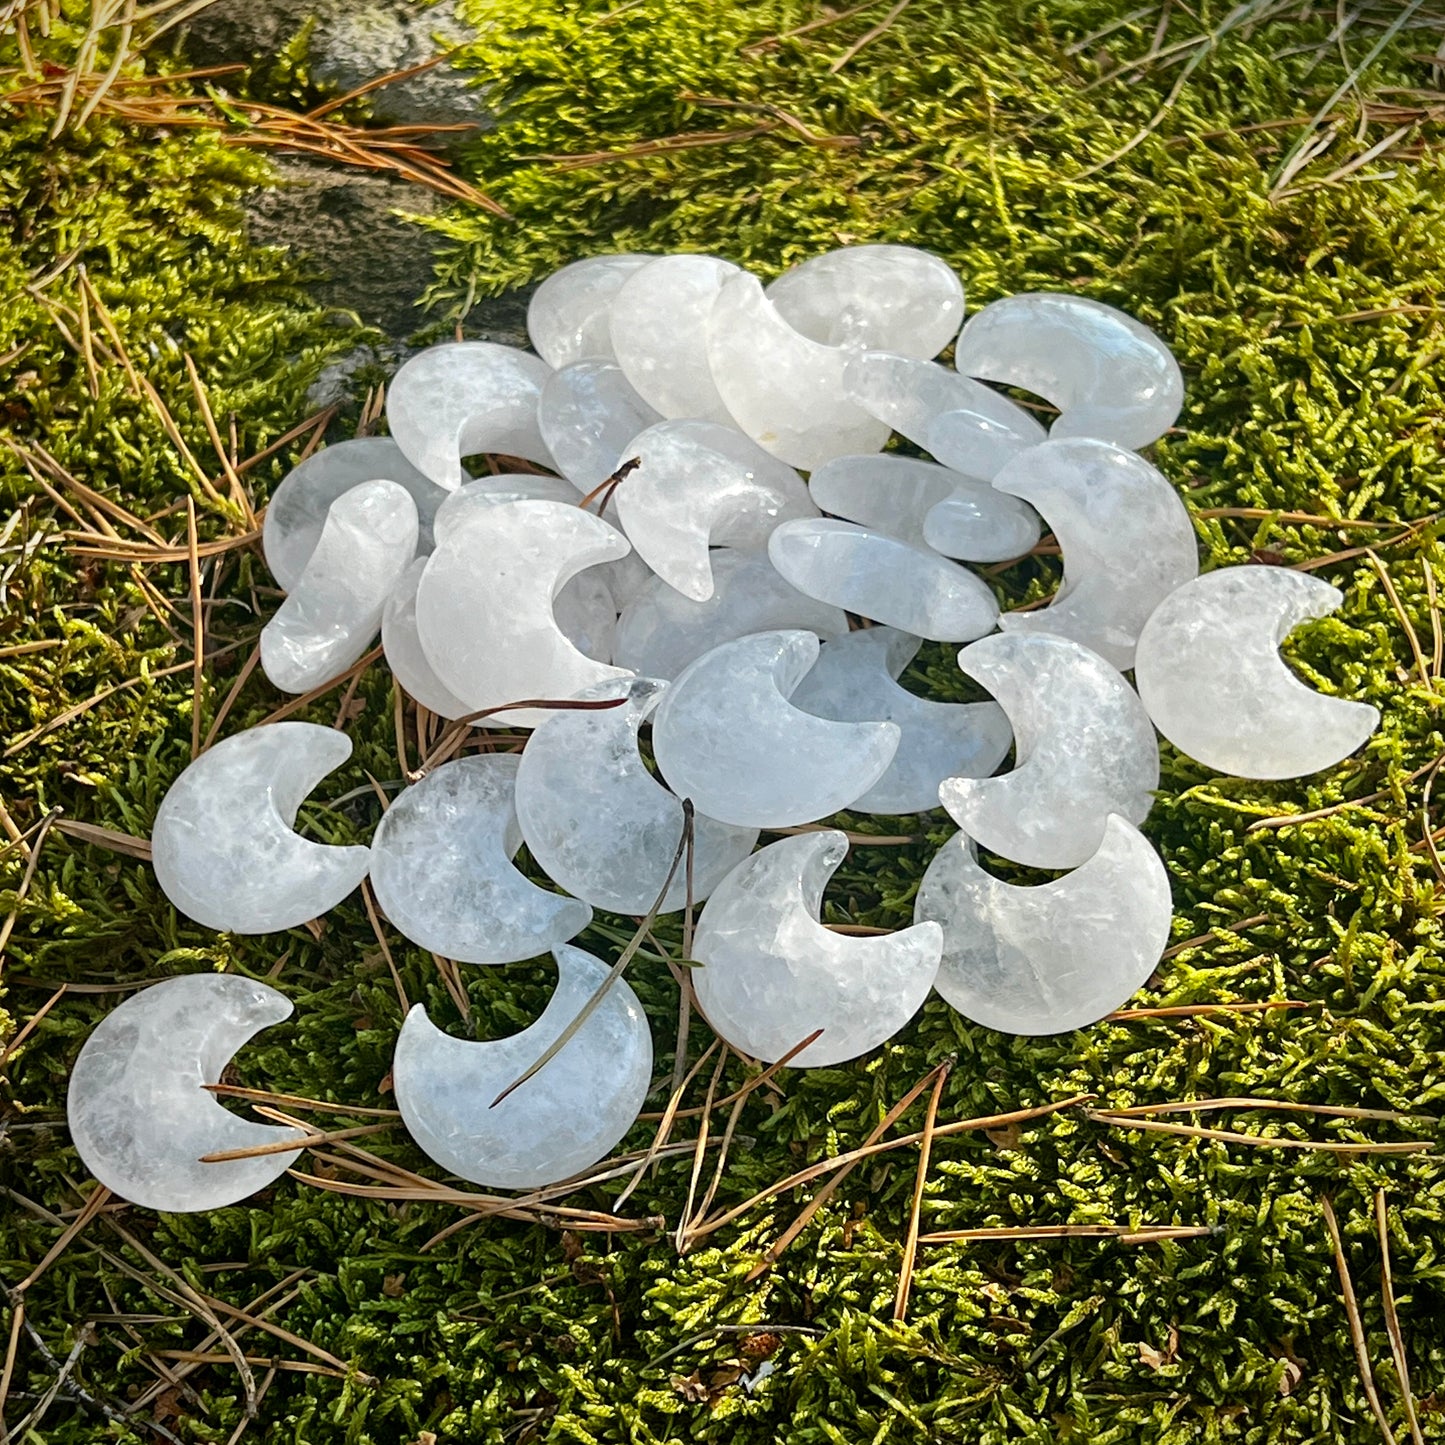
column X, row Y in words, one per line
column 1307, row 328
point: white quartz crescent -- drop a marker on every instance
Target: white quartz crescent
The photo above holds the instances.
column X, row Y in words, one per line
column 600, row 825
column 139, row 1115
column 661, row 631
column 1110, row 376
column 297, row 510
column 893, row 298
column 564, row 1119
column 224, row 847
column 698, row 485
column 926, row 505
column 335, row 608
column 960, row 422
column 463, row 397
column 1126, row 538
column 404, row 655
column 569, row 315
column 879, row 577
column 485, row 609
column 1083, row 748
column 783, row 389
column 441, row 865
column 772, row 973
column 1210, row 674
column 855, row 680
column 659, row 334
column 1055, row 957
column 726, row 736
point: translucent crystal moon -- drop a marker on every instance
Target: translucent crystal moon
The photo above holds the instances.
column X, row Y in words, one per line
column 333, row 612
column 1211, row 677
column 600, row 825
column 491, row 632
column 442, row 868
column 224, row 847
column 1126, row 538
column 1110, row 375
column 569, row 318
column 726, row 736
column 464, row 397
column 1055, row 957
column 139, row 1116
column 1083, row 748
column 772, row 973
column 563, row 1119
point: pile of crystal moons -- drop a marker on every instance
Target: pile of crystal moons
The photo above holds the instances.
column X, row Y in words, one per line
column 671, row 560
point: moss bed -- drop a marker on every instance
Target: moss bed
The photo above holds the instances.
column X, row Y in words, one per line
column 1164, row 168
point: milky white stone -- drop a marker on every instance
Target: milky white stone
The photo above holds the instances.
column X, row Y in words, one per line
column 588, row 413
column 772, row 973
column 854, row 680
column 880, row 577
column 403, row 649
column 333, row 611
column 1126, row 539
column 505, row 487
column 490, row 630
column 659, row 334
column 1110, row 376
column 139, row 1117
column 1210, row 674
column 297, row 510
column 569, row 315
column 960, row 422
column 600, row 825
column 892, row 298
column 726, row 736
column 783, row 390
column 223, row 844
column 900, row 495
column 1055, row 957
column 441, row 867
column 564, row 1119
column 463, row 397
column 698, row 484
column 1083, row 748
column 661, row 631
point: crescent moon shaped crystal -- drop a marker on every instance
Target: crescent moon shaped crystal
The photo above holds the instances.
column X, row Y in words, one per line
column 463, row 397
column 1110, row 376
column 139, row 1116
column 403, row 649
column 893, row 298
column 1126, row 538
column 563, row 1119
column 879, row 577
column 661, row 631
column 855, row 680
column 1211, row 677
column 223, row 845
column 569, row 317
column 772, row 973
column 782, row 389
column 297, row 510
column 701, row 484
column 600, row 825
column 726, row 736
column 330, row 616
column 1052, row 958
column 907, row 498
column 659, row 334
column 588, row 413
column 491, row 633
column 1083, row 748
column 441, row 865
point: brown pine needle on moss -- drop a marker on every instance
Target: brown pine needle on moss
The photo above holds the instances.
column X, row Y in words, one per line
column 1120, row 1233
column 925, row 1149
column 1392, row 1320
column 1258, row 1141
